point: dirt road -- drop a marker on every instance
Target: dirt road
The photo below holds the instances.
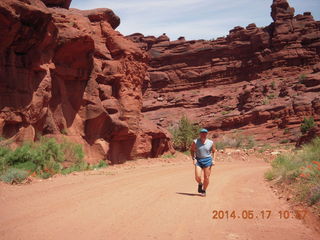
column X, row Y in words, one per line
column 157, row 201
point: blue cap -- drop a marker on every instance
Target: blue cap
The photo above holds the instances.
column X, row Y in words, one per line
column 203, row 130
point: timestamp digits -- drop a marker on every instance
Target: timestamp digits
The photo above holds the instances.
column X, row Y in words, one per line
column 252, row 214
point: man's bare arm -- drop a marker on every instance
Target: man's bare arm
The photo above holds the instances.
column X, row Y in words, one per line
column 192, row 151
column 214, row 150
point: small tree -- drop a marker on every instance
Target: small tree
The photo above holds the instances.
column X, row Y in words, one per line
column 184, row 134
column 307, row 125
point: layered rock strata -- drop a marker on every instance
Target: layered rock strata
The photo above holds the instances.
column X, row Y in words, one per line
column 68, row 73
column 260, row 80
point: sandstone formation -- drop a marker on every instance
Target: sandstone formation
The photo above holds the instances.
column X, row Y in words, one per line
column 259, row 80
column 57, row 3
column 69, row 73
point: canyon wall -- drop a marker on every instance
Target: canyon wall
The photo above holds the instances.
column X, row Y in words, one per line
column 262, row 80
column 68, row 74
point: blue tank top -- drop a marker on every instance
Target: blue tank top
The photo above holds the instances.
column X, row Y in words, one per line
column 203, row 150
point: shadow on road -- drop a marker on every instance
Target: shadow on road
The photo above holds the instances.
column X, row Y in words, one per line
column 189, row 194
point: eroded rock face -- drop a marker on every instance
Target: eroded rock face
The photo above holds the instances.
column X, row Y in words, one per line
column 68, row 72
column 57, row 3
column 250, row 79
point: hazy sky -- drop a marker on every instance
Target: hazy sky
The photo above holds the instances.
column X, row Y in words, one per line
column 193, row 19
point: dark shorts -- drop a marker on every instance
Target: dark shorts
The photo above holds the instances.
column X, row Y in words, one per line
column 204, row 162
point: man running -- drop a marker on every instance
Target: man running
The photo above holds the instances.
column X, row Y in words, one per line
column 201, row 150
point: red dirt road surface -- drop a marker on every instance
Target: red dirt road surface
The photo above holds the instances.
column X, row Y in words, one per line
column 149, row 201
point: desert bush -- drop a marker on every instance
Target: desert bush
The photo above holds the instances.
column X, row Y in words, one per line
column 250, row 142
column 13, row 175
column 307, row 125
column 265, row 101
column 184, row 134
column 314, row 195
column 236, row 140
column 283, row 141
column 3, row 161
column 72, row 152
column 169, row 155
column 302, row 77
column 22, row 154
column 28, row 166
column 271, row 96
column 226, row 112
column 264, row 148
column 287, row 167
column 44, row 157
column 220, row 145
column 269, row 175
column 82, row 166
column 286, row 131
column 301, row 169
column 101, row 164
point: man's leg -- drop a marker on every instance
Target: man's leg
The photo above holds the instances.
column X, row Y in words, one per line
column 198, row 174
column 207, row 172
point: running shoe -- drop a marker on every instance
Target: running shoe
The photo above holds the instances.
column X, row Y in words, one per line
column 203, row 193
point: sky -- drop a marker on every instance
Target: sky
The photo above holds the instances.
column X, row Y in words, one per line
column 193, row 19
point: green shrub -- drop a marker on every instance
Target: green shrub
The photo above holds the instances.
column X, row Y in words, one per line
column 28, row 166
column 307, row 125
column 286, row 167
column 227, row 108
column 101, row 164
column 302, row 77
column 68, row 170
column 187, row 153
column 45, row 175
column 250, row 142
column 265, row 101
column 75, row 168
column 314, row 195
column 13, row 175
column 220, row 145
column 236, row 140
column 168, row 156
column 310, row 152
column 264, row 148
column 3, row 161
column 226, row 112
column 22, row 154
column 44, row 157
column 184, row 134
column 301, row 169
column 286, row 131
column 271, row 96
column 64, row 131
column 269, row 175
column 72, row 152
column 273, row 85
column 283, row 141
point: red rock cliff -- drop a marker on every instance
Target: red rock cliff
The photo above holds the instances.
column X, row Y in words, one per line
column 256, row 79
column 68, row 72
